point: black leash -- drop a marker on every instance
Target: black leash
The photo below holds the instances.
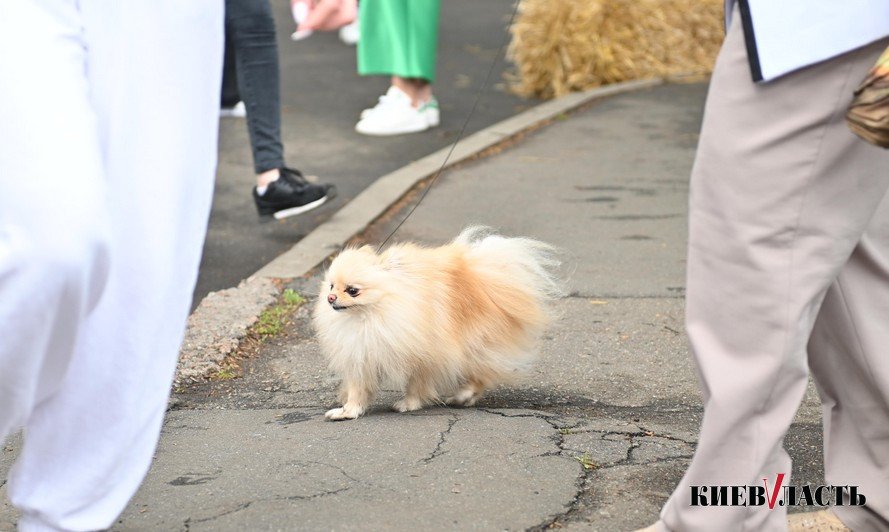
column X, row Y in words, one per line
column 462, row 129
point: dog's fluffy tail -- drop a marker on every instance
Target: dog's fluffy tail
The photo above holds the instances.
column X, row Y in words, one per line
column 531, row 264
column 520, row 275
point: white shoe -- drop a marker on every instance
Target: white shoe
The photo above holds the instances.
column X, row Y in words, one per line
column 431, row 112
column 429, row 109
column 238, row 110
column 350, row 33
column 393, row 115
column 380, row 102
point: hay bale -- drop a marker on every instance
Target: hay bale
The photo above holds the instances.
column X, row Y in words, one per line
column 560, row 46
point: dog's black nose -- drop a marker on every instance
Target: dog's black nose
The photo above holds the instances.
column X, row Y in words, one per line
column 331, row 298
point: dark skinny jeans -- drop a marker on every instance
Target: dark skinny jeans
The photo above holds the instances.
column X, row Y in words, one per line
column 251, row 74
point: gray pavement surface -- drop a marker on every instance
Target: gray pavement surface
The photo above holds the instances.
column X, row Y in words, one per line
column 322, row 96
column 595, row 437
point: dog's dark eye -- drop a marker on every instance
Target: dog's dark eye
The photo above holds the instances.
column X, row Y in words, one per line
column 352, row 291
column 331, row 286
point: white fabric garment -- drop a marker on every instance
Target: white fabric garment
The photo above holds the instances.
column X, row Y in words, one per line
column 787, row 35
column 108, row 117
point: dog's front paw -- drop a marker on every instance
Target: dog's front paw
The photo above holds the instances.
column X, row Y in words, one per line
column 345, row 412
column 408, row 404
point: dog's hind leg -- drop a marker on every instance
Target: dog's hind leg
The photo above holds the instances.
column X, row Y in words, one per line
column 468, row 395
column 420, row 391
column 357, row 396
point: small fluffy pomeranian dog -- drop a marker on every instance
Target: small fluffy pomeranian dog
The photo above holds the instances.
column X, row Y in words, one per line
column 443, row 324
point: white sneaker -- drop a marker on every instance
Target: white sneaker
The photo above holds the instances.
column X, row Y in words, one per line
column 238, row 110
column 350, row 33
column 429, row 109
column 393, row 115
column 431, row 112
column 380, row 101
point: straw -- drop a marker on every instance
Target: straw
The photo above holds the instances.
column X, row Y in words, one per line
column 561, row 46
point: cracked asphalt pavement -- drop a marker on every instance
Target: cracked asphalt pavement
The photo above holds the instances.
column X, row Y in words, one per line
column 596, row 436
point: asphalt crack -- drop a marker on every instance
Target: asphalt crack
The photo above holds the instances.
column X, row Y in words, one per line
column 243, row 506
column 326, row 493
column 661, row 460
column 310, row 497
column 188, row 522
column 584, row 480
column 573, row 506
column 633, row 445
column 338, row 468
column 645, row 433
column 542, row 415
column 442, row 437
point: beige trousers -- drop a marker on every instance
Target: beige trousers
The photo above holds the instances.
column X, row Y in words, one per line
column 788, row 247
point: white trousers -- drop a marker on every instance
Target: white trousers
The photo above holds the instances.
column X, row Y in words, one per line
column 788, row 257
column 108, row 124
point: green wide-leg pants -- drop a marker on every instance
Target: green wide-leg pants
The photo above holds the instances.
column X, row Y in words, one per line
column 398, row 38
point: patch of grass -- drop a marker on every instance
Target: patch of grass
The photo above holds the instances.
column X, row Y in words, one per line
column 565, row 431
column 225, row 374
column 273, row 319
column 292, row 297
column 587, row 461
column 270, row 323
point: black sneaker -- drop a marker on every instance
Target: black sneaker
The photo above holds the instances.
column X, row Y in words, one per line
column 291, row 194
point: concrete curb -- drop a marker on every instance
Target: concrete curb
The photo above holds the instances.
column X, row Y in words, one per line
column 217, row 326
column 223, row 318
